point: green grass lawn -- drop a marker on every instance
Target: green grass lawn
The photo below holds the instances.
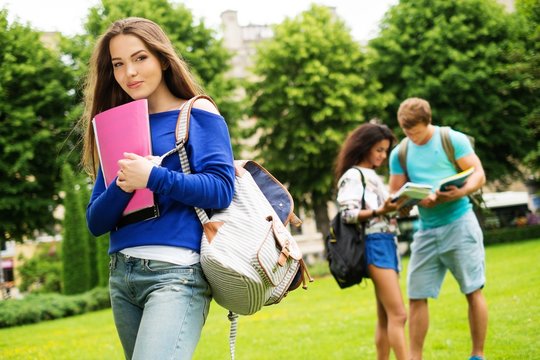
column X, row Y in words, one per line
column 325, row 322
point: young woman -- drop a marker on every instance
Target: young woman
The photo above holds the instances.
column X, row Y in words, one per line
column 365, row 149
column 159, row 296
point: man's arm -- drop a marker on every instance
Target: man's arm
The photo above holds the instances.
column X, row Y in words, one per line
column 474, row 182
column 477, row 178
column 396, row 182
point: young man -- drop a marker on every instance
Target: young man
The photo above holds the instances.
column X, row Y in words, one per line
column 450, row 237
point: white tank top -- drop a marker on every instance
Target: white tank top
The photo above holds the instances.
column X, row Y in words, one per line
column 170, row 254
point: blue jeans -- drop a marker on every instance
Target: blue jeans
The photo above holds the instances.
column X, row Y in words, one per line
column 159, row 308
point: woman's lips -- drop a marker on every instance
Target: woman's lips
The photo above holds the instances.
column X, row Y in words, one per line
column 134, row 85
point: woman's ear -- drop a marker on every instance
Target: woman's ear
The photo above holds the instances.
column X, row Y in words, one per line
column 164, row 65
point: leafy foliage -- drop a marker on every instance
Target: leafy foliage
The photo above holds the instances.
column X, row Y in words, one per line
column 36, row 92
column 312, row 87
column 76, row 261
column 93, row 249
column 40, row 307
column 102, row 259
column 42, row 272
column 457, row 55
column 529, row 66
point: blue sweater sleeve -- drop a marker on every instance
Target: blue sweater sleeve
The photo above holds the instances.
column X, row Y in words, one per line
column 106, row 206
column 211, row 184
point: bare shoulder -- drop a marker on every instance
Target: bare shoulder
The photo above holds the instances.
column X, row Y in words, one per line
column 206, row 105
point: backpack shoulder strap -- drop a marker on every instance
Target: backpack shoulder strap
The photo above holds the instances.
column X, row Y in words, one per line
column 182, row 132
column 402, row 155
column 363, row 187
column 447, row 146
column 363, row 203
column 182, row 125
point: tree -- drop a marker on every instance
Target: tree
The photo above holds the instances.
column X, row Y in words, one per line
column 196, row 43
column 35, row 95
column 93, row 248
column 75, row 250
column 98, row 246
column 102, row 248
column 311, row 89
column 455, row 54
column 528, row 65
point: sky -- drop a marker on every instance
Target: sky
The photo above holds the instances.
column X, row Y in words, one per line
column 67, row 16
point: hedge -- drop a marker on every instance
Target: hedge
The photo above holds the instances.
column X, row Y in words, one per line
column 38, row 307
column 511, row 234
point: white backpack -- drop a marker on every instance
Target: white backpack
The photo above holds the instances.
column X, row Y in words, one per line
column 248, row 256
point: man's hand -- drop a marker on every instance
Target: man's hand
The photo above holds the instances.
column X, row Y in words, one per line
column 452, row 193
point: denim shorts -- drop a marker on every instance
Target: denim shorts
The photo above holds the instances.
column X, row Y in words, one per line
column 381, row 251
column 457, row 247
column 159, row 308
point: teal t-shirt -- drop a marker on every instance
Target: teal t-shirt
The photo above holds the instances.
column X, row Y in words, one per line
column 428, row 164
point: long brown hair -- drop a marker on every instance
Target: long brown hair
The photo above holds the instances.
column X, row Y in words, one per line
column 102, row 92
column 358, row 145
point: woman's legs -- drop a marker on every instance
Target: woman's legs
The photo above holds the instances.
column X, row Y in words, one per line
column 390, row 305
column 159, row 308
column 381, row 332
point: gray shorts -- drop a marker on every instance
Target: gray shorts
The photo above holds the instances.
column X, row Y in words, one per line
column 457, row 247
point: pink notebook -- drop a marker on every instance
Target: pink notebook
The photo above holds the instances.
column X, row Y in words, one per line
column 124, row 128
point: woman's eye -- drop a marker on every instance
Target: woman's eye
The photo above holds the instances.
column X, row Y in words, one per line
column 115, row 65
column 140, row 58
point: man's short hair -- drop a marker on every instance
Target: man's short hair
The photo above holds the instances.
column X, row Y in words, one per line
column 414, row 111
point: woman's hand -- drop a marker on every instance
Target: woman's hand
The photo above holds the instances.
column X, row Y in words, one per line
column 134, row 172
column 404, row 211
column 389, row 206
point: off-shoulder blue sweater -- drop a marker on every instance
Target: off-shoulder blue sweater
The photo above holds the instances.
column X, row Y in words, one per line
column 210, row 186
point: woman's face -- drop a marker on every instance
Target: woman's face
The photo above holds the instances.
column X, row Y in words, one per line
column 137, row 70
column 378, row 153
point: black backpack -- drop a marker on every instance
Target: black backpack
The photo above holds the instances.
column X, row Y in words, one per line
column 345, row 249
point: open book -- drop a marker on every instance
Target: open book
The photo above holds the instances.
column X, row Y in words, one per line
column 124, row 128
column 457, row 180
column 413, row 192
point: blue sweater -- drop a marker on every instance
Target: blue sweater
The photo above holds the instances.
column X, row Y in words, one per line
column 210, row 186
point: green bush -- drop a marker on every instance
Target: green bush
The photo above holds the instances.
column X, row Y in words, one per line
column 41, row 273
column 38, row 307
column 505, row 235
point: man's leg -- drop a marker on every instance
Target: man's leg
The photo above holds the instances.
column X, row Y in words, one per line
column 465, row 257
column 418, row 326
column 424, row 278
column 478, row 320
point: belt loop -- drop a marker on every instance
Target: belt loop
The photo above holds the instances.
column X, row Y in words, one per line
column 144, row 264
